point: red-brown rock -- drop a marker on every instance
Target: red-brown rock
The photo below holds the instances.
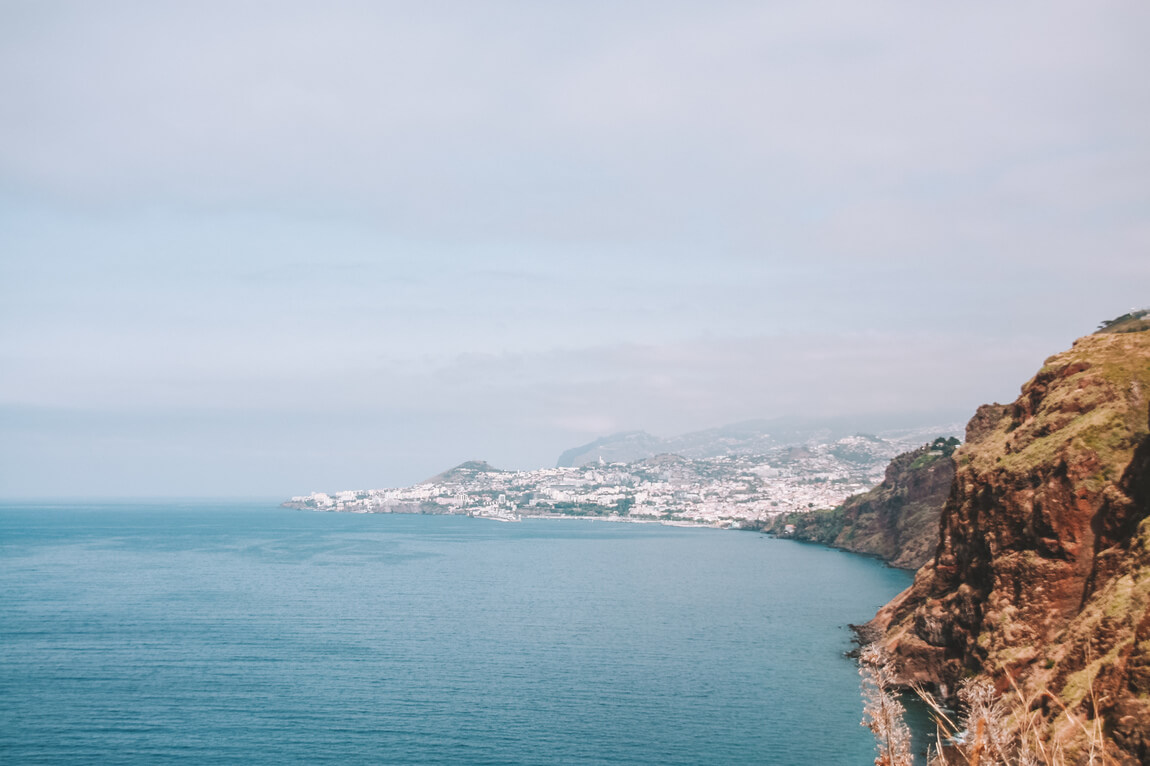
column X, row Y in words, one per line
column 1042, row 571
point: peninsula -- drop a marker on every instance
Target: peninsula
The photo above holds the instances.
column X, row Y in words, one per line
column 728, row 490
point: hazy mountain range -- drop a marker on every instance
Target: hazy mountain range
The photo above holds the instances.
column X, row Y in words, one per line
column 752, row 437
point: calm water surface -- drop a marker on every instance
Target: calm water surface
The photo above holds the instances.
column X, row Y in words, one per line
column 221, row 633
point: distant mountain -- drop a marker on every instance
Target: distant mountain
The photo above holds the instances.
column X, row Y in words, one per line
column 625, row 447
column 753, row 437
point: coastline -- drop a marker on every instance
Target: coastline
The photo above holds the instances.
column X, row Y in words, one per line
column 728, row 525
column 622, row 520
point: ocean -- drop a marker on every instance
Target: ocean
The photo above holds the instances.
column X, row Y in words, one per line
column 241, row 632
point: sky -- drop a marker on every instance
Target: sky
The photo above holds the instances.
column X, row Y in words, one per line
column 266, row 248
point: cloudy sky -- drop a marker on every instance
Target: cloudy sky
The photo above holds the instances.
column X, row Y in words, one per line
column 265, row 248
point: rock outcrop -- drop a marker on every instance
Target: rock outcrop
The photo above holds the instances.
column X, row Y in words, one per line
column 1041, row 577
column 897, row 520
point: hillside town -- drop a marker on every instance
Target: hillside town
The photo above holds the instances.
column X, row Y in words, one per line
column 727, row 491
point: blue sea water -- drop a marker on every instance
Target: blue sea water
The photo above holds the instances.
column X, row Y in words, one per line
column 223, row 633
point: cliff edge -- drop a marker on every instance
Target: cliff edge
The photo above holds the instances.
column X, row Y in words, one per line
column 896, row 521
column 1041, row 577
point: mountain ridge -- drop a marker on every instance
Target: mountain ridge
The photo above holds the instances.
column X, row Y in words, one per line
column 756, row 436
column 465, row 469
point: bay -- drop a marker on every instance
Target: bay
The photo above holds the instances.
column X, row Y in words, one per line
column 227, row 632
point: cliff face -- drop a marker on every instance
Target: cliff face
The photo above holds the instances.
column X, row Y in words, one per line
column 897, row 520
column 1042, row 572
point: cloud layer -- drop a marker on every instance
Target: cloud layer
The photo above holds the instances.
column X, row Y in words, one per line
column 421, row 232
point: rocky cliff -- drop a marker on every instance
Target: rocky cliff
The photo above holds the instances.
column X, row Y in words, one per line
column 1041, row 578
column 896, row 520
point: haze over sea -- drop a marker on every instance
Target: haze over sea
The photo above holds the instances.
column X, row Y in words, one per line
column 224, row 632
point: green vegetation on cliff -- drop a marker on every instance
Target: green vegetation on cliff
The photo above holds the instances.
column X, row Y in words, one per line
column 1135, row 321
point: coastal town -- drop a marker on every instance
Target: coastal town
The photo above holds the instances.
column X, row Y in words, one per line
column 725, row 491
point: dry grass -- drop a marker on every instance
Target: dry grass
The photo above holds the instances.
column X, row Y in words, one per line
column 993, row 730
column 883, row 713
